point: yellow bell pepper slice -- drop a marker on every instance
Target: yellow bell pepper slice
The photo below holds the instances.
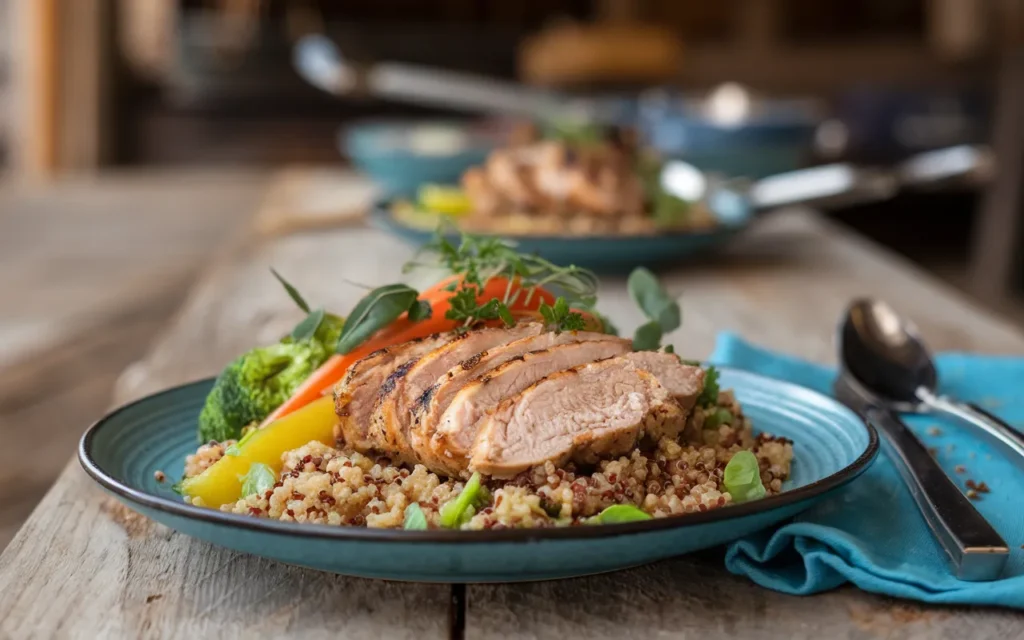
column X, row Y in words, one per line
column 221, row 483
column 450, row 201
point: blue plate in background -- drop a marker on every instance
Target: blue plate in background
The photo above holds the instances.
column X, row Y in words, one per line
column 605, row 254
column 123, row 450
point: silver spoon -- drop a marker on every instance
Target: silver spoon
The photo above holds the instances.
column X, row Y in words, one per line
column 887, row 356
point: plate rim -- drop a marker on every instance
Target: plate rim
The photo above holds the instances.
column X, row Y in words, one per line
column 448, row 536
column 380, row 211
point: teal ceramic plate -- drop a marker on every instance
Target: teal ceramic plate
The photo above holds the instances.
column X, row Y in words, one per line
column 123, row 450
column 607, row 254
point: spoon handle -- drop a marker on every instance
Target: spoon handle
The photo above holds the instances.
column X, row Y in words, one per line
column 996, row 430
column 975, row 549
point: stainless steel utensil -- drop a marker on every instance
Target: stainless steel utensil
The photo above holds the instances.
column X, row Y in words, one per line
column 886, row 354
column 975, row 550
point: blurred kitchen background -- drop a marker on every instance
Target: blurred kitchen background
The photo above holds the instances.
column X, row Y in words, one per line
column 137, row 135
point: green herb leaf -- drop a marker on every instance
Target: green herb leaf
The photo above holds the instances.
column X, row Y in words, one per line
column 669, row 348
column 619, row 513
column 460, row 509
column 307, row 328
column 420, row 310
column 415, row 519
column 719, row 417
column 709, row 396
column 506, row 315
column 292, row 291
column 647, row 337
column 258, row 479
column 179, row 487
column 653, row 300
column 378, row 309
column 236, row 448
column 742, row 477
column 560, row 317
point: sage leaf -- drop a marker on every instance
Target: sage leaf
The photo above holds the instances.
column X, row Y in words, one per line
column 307, row 328
column 293, row 293
column 420, row 310
column 653, row 300
column 376, row 310
column 647, row 337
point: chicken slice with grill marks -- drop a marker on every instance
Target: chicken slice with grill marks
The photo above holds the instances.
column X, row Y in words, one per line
column 392, row 413
column 457, row 429
column 354, row 396
column 585, row 414
column 433, row 402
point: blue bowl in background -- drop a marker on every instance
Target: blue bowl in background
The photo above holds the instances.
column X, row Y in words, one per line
column 776, row 136
column 401, row 156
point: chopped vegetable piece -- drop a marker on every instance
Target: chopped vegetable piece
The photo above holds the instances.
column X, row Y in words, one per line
column 448, row 200
column 415, row 519
column 619, row 513
column 743, row 477
column 221, row 483
column 720, row 416
column 709, row 396
column 258, row 479
column 255, row 384
column 460, row 509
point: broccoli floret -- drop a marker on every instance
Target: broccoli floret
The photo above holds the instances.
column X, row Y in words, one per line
column 260, row 380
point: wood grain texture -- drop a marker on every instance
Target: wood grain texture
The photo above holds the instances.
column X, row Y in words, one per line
column 783, row 286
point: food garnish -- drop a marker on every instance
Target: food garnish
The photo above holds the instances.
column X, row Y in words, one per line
column 709, row 396
column 619, row 513
column 221, row 483
column 461, row 508
column 661, row 310
column 258, row 479
column 742, row 477
column 415, row 519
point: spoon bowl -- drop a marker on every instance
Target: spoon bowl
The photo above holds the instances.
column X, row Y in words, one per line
column 884, row 353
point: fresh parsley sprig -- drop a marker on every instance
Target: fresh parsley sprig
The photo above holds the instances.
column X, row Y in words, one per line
column 560, row 317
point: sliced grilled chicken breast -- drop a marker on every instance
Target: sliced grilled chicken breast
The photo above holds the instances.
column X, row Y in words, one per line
column 591, row 412
column 392, row 414
column 355, row 395
column 430, row 406
column 685, row 382
column 458, row 427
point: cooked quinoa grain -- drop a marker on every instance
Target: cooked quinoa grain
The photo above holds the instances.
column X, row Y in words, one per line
column 326, row 485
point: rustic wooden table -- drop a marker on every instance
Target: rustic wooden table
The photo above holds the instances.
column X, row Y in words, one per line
column 84, row 566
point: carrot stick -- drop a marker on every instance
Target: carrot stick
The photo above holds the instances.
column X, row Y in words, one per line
column 401, row 330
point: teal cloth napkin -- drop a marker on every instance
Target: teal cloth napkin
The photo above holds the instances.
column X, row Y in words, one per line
column 870, row 532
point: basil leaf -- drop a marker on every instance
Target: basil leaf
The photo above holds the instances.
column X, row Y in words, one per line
column 454, row 512
column 258, row 479
column 376, row 310
column 293, row 293
column 619, row 513
column 742, row 477
column 653, row 300
column 647, row 337
column 415, row 519
column 420, row 310
column 307, row 328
